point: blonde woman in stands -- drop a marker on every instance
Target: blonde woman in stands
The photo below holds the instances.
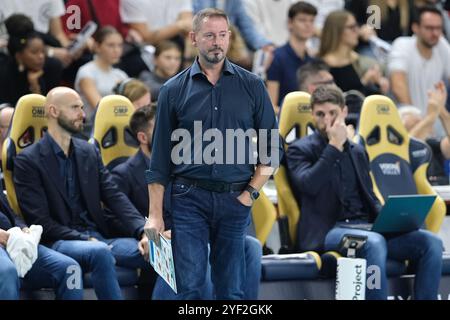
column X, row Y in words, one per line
column 135, row 90
column 97, row 78
column 351, row 71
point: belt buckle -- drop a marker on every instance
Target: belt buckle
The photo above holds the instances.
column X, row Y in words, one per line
column 221, row 187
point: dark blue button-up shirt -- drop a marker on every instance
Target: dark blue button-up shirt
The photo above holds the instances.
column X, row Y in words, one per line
column 352, row 206
column 206, row 113
column 81, row 220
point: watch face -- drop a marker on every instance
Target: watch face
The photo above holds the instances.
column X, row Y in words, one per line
column 255, row 195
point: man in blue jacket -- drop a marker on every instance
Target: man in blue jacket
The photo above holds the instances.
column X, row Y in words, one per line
column 330, row 179
column 50, row 270
column 61, row 184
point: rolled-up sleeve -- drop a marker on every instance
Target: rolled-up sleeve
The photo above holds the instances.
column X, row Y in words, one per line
column 161, row 163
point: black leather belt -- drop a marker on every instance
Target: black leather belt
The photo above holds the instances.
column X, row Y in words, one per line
column 214, row 186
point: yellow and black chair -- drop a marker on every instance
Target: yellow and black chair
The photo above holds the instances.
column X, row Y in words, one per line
column 295, row 122
column 398, row 162
column 264, row 215
column 28, row 125
column 112, row 135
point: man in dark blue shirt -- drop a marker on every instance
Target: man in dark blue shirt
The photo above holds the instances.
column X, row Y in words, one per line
column 130, row 180
column 209, row 107
column 282, row 73
column 330, row 179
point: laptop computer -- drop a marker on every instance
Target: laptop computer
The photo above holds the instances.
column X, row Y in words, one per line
column 400, row 214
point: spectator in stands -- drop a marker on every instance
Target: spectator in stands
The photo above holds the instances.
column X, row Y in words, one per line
column 103, row 13
column 45, row 15
column 224, row 97
column 158, row 20
column 396, row 18
column 442, row 6
column 270, row 16
column 324, row 8
column 239, row 18
column 421, row 126
column 97, row 78
column 282, row 73
column 167, row 62
column 350, row 70
column 106, row 13
column 313, row 74
column 330, row 179
column 50, row 270
column 128, row 176
column 418, row 63
column 62, row 184
column 26, row 70
column 135, row 90
column 6, row 113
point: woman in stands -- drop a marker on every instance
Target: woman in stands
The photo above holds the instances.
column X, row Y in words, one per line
column 167, row 64
column 350, row 70
column 26, row 69
column 396, row 18
column 97, row 78
column 135, row 90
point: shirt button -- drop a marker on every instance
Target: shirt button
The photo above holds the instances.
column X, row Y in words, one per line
column 215, row 108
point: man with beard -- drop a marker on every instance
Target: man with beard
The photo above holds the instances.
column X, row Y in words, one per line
column 61, row 184
column 330, row 179
column 210, row 191
column 131, row 182
column 416, row 64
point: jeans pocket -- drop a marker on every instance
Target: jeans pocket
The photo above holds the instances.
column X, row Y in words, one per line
column 180, row 189
column 236, row 200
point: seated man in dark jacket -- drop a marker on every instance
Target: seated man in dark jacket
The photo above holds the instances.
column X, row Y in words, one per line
column 50, row 270
column 330, row 179
column 61, row 184
column 130, row 178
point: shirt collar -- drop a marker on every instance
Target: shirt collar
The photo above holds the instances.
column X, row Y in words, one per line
column 57, row 149
column 227, row 68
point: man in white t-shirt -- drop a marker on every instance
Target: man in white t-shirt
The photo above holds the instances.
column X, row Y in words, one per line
column 157, row 20
column 416, row 64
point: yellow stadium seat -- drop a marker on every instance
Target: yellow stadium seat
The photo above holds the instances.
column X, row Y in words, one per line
column 264, row 215
column 112, row 135
column 295, row 122
column 398, row 162
column 28, row 125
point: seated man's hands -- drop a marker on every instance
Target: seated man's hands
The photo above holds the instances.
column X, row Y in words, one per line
column 4, row 236
column 143, row 247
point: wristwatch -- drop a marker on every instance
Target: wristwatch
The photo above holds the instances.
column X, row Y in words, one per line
column 254, row 194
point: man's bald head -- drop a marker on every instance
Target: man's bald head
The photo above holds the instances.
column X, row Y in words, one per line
column 6, row 113
column 64, row 111
column 61, row 96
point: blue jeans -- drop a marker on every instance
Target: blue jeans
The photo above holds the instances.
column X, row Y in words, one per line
column 100, row 258
column 422, row 248
column 50, row 270
column 253, row 254
column 200, row 217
